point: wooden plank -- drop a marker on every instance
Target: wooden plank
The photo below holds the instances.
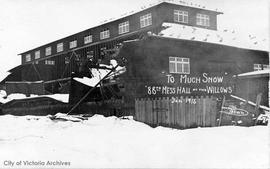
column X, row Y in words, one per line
column 158, row 112
column 182, row 112
column 171, row 111
column 204, row 112
column 167, row 115
column 201, row 112
column 208, row 113
column 193, row 112
column 176, row 113
column 197, row 111
column 187, row 113
column 213, row 111
column 136, row 109
column 155, row 112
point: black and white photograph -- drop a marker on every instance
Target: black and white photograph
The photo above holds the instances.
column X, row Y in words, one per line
column 134, row 84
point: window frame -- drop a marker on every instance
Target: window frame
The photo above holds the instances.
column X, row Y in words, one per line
column 105, row 34
column 60, row 48
column 123, row 27
column 266, row 66
column 177, row 62
column 88, row 39
column 146, row 20
column 37, row 54
column 257, row 67
column 49, row 62
column 73, row 44
column 180, row 16
column 28, row 57
column 48, row 51
column 203, row 20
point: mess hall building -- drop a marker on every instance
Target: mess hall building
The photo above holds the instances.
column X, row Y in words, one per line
column 177, row 65
column 55, row 61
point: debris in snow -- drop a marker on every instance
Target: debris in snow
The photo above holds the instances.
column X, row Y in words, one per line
column 239, row 122
column 65, row 117
column 225, row 37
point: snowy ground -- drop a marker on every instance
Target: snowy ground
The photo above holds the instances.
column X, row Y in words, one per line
column 112, row 142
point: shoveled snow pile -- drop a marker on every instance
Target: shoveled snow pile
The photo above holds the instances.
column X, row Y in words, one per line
column 111, row 142
column 224, row 37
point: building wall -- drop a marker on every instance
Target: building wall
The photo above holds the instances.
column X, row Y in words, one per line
column 160, row 13
column 166, row 13
column 148, row 61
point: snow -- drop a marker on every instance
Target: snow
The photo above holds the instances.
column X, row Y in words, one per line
column 252, row 103
column 145, row 7
column 99, row 74
column 225, row 37
column 17, row 96
column 259, row 72
column 101, row 142
column 3, row 75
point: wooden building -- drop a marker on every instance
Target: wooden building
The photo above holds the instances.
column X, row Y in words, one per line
column 58, row 59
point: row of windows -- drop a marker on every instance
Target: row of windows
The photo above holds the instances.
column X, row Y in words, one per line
column 145, row 20
column 182, row 16
column 257, row 67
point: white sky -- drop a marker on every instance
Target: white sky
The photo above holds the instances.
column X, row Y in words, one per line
column 26, row 24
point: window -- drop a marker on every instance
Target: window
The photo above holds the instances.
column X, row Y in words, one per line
column 27, row 58
column 180, row 16
column 179, row 65
column 60, row 47
column 49, row 62
column 73, row 44
column 88, row 39
column 146, row 20
column 105, row 34
column 257, row 67
column 203, row 20
column 123, row 27
column 48, row 51
column 266, row 66
column 37, row 54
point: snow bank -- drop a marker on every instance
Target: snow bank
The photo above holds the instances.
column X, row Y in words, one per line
column 17, row 96
column 111, row 142
column 224, row 37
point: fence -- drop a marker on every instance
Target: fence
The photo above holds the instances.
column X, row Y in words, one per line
column 177, row 112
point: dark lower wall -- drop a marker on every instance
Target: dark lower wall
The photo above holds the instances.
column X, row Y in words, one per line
column 148, row 64
column 249, row 88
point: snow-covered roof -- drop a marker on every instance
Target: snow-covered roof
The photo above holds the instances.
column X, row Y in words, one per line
column 251, row 103
column 225, row 37
column 175, row 2
column 3, row 75
column 264, row 72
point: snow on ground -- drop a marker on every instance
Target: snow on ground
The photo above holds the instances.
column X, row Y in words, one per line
column 223, row 37
column 112, row 142
column 17, row 96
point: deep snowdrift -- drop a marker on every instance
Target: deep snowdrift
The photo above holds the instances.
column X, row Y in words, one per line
column 113, row 142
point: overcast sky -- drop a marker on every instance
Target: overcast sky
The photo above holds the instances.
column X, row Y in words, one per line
column 26, row 24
